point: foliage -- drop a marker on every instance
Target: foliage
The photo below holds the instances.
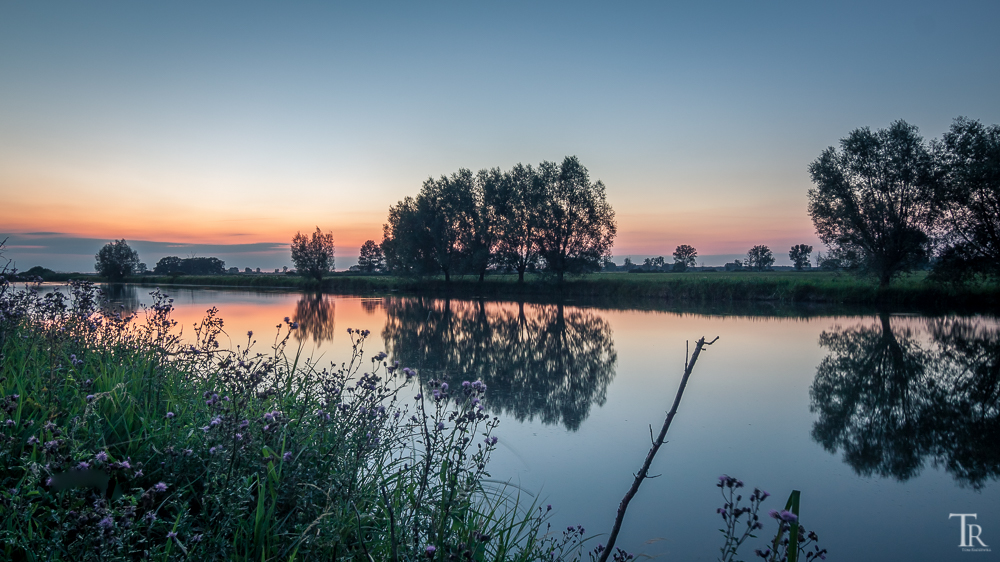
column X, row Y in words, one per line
column 760, row 258
column 578, row 224
column 313, row 257
column 799, row 254
column 872, row 200
column 173, row 265
column 470, row 222
column 968, row 198
column 371, row 258
column 120, row 442
column 518, row 206
column 738, row 529
column 684, row 257
column 116, row 260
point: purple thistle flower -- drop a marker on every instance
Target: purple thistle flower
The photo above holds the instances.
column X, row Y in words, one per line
column 90, row 398
column 101, row 457
column 170, row 415
column 138, row 474
column 106, row 523
column 171, row 535
column 32, row 440
column 83, row 465
column 287, row 456
column 430, row 550
column 774, row 514
column 788, row 516
column 440, row 426
column 160, row 487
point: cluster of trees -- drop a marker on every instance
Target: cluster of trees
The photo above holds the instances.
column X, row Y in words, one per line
column 888, row 202
column 550, row 216
column 173, row 265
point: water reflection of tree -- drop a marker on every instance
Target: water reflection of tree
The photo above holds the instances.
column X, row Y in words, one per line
column 890, row 404
column 120, row 297
column 315, row 315
column 544, row 361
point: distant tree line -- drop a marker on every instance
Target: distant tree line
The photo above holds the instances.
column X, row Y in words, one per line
column 551, row 217
column 887, row 202
column 173, row 265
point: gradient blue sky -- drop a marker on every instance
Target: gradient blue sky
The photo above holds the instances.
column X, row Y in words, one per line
column 207, row 124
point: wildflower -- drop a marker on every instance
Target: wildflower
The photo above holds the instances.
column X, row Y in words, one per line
column 84, row 465
column 213, row 450
column 774, row 514
column 444, row 387
column 170, row 415
column 90, row 398
column 32, row 440
column 101, row 457
column 788, row 516
column 160, row 487
column 138, row 474
column 287, row 319
column 440, row 426
column 216, row 421
column 171, row 535
column 287, row 456
column 106, row 523
column 125, row 464
column 294, row 326
column 430, row 550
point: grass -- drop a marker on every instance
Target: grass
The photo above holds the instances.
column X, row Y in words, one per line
column 120, row 442
column 720, row 288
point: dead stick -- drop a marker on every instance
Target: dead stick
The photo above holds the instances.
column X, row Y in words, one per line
column 699, row 345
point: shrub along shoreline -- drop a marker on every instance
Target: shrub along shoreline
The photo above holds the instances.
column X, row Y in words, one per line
column 784, row 287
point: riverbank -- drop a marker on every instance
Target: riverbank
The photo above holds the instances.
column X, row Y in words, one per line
column 785, row 287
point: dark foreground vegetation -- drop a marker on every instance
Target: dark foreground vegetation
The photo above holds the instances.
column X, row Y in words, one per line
column 118, row 442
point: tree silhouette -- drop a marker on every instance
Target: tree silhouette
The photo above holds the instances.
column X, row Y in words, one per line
column 760, row 258
column 517, row 203
column 872, row 200
column 684, row 257
column 543, row 361
column 889, row 404
column 116, row 260
column 313, row 257
column 371, row 258
column 969, row 199
column 799, row 254
column 578, row 225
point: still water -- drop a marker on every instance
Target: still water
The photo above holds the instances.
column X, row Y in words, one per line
column 886, row 423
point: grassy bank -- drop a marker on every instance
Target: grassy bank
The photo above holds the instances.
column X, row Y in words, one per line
column 912, row 291
column 117, row 442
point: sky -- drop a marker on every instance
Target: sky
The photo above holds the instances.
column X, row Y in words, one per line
column 223, row 128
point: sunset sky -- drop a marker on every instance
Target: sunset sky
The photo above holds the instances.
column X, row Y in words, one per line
column 213, row 128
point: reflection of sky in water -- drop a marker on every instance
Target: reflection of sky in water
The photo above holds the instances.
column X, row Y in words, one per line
column 745, row 413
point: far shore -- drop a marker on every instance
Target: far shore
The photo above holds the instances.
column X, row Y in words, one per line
column 784, row 287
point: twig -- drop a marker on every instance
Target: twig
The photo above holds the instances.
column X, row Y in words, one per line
column 688, row 367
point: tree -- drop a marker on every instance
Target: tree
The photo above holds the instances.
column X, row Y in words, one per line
column 760, row 258
column 578, row 225
column 313, row 257
column 169, row 265
column 371, row 258
column 445, row 208
column 406, row 244
column 685, row 257
column 872, row 200
column 518, row 203
column 799, row 254
column 116, row 260
column 968, row 199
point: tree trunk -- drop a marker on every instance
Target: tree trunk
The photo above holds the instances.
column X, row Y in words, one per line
column 447, row 276
column 520, row 274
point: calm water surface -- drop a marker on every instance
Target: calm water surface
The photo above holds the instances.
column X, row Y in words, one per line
column 886, row 423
